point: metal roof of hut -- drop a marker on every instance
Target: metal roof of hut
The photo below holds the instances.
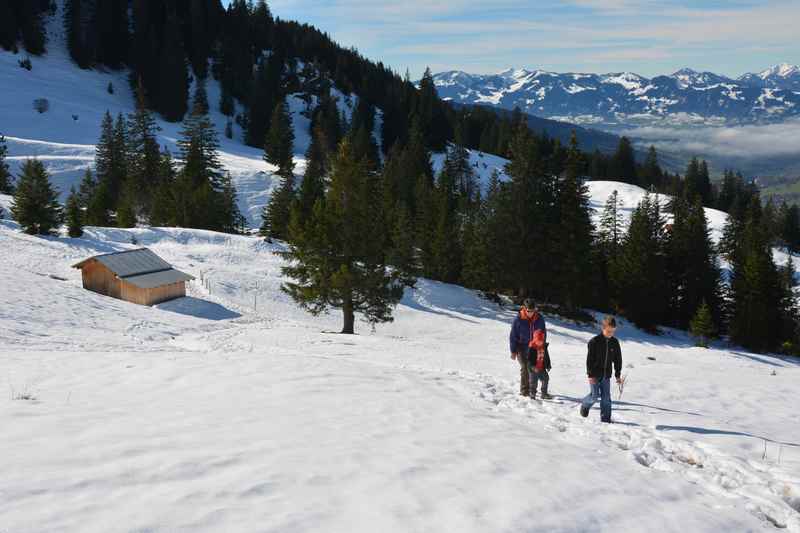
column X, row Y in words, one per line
column 140, row 267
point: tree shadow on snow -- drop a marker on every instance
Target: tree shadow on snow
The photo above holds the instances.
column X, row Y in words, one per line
column 707, row 431
column 198, row 308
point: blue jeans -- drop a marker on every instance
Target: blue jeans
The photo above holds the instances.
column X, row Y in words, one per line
column 601, row 390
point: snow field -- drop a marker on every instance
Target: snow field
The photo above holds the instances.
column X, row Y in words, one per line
column 204, row 414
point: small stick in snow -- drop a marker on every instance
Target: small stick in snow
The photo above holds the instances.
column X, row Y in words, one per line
column 764, row 455
column 621, row 385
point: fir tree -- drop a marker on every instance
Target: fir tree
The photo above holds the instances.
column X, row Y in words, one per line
column 35, row 206
column 126, row 209
column 74, row 215
column 755, row 290
column 402, row 254
column 200, row 98
column 279, row 144
column 574, row 233
column 163, row 204
column 111, row 158
column 476, row 271
column 6, row 184
column 9, row 29
column 789, row 226
column 277, row 212
column 230, row 218
column 32, row 26
column 87, row 188
column 266, row 94
column 226, row 103
column 637, row 273
column 702, row 326
column 651, row 173
column 73, row 16
column 692, row 271
column 172, row 80
column 623, row 163
column 611, row 229
column 144, row 156
column 337, row 260
column 200, row 181
column 312, row 187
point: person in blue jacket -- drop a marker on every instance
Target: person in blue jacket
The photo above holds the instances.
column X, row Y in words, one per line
column 528, row 336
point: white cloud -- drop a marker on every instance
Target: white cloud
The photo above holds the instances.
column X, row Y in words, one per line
column 742, row 142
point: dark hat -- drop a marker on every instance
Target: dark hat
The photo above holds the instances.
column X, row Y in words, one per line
column 528, row 303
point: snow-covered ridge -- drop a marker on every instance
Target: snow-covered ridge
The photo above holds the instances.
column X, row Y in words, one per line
column 628, row 99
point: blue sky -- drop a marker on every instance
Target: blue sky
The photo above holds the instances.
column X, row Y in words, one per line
column 645, row 36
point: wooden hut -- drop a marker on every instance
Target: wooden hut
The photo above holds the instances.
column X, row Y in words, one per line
column 137, row 276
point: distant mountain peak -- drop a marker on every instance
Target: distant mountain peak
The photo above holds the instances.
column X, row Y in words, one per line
column 783, row 70
column 617, row 99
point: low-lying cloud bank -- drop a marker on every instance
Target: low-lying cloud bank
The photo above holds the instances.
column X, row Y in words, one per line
column 735, row 142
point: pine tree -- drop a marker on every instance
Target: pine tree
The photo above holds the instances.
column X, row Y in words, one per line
column 126, row 209
column 476, row 272
column 73, row 27
column 144, row 156
column 691, row 269
column 111, row 26
column 200, row 98
column 279, row 144
column 230, row 218
column 199, row 184
column 266, row 94
column 226, row 103
column 111, row 158
column 338, row 259
column 277, row 213
column 6, row 181
column 35, row 206
column 651, row 173
column 172, row 90
column 312, row 187
column 9, row 29
column 402, row 254
column 163, row 212
column 637, row 273
column 74, row 215
column 574, row 233
column 31, row 24
column 789, row 226
column 702, row 326
column 755, row 290
column 611, row 228
column 623, row 164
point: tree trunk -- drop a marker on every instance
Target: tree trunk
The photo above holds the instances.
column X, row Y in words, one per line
column 349, row 317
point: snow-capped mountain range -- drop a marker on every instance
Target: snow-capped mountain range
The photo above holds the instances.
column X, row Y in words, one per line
column 627, row 99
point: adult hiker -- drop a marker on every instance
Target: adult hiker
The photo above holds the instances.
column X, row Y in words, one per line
column 603, row 352
column 528, row 346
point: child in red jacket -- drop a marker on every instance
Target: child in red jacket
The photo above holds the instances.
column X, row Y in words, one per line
column 539, row 364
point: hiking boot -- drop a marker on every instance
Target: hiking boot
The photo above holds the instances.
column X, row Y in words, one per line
column 525, row 393
column 584, row 411
column 546, row 396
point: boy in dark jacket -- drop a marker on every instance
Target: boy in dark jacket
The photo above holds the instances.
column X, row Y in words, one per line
column 603, row 352
column 527, row 341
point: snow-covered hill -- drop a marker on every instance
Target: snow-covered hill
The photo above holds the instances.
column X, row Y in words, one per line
column 625, row 99
column 64, row 137
column 232, row 410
